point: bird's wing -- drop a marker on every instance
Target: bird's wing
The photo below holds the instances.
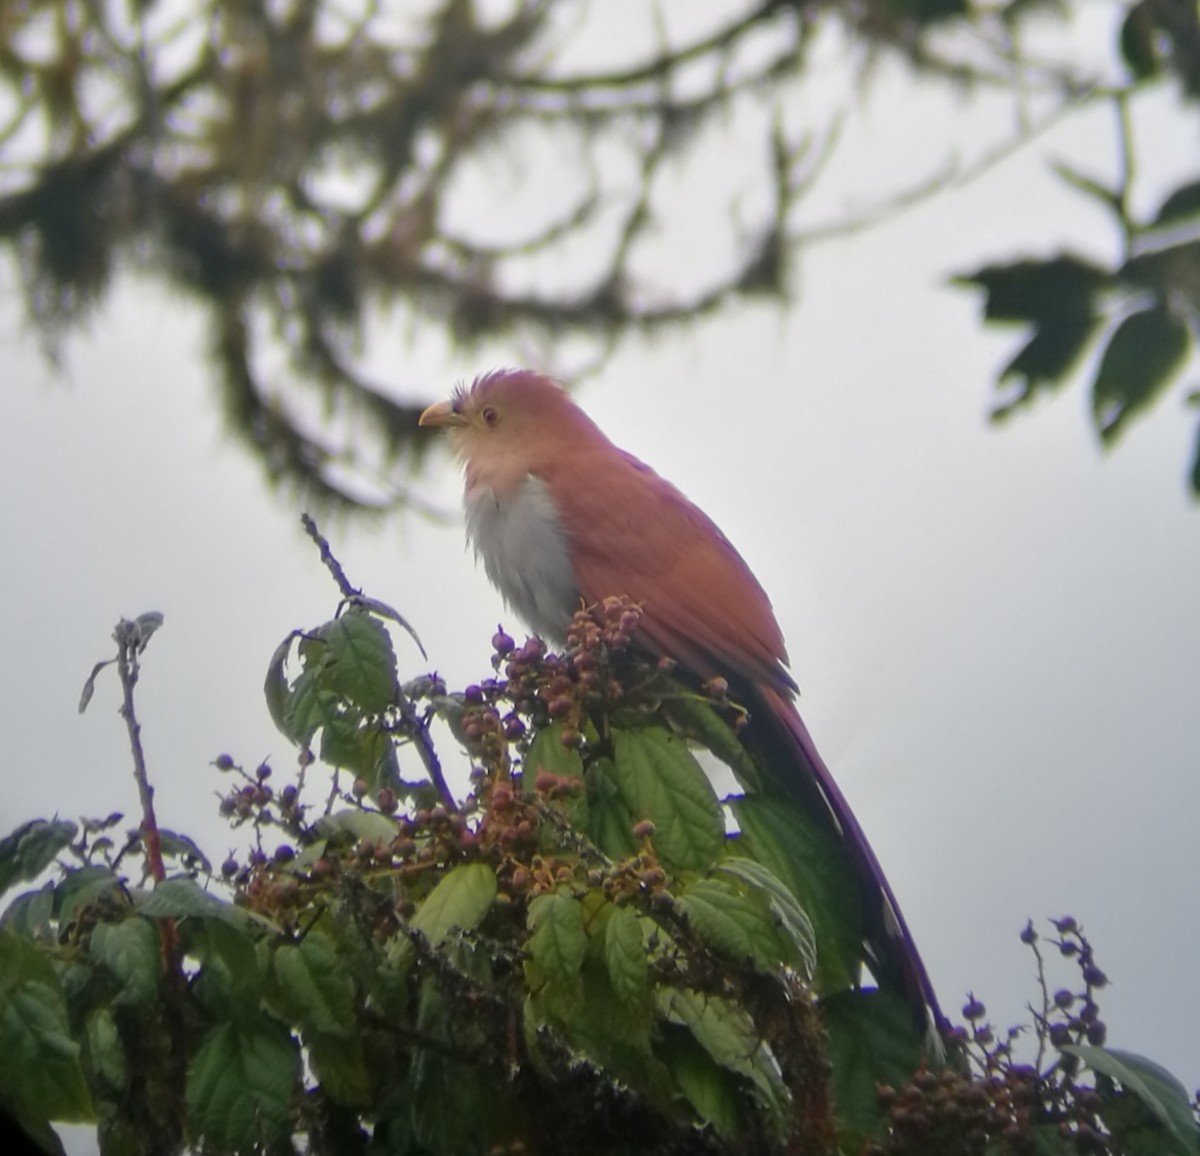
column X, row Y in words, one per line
column 632, row 533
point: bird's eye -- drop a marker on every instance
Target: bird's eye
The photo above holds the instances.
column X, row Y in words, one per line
column 489, row 415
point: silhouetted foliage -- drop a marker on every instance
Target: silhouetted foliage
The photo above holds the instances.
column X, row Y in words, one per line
column 307, row 169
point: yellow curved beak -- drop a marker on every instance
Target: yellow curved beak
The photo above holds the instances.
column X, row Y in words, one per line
column 442, row 413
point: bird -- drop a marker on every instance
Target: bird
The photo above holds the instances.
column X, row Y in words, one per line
column 562, row 518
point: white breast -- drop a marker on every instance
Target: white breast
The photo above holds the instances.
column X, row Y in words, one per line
column 524, row 550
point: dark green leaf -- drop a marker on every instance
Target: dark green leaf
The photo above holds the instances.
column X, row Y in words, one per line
column 276, row 690
column 183, row 847
column 557, row 946
column 31, row 915
column 81, row 887
column 181, row 897
column 1139, row 40
column 315, row 986
column 461, row 899
column 1143, row 353
column 738, row 925
column 709, row 1088
column 1058, row 291
column 659, row 779
column 871, row 1040
column 610, row 825
column 1168, row 271
column 240, row 1085
column 793, row 919
column 625, row 957
column 360, row 662
column 339, row 1065
column 1183, row 203
column 1157, row 1089
column 366, row 750
column 40, row 1071
column 311, row 706
column 815, row 868
column 129, row 952
column 547, row 753
column 231, row 977
column 728, row 1035
column 106, row 1056
column 1047, row 358
column 26, row 852
column 699, row 720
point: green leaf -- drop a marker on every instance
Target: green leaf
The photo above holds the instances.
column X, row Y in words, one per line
column 26, row 852
column 182, row 897
column 1158, row 1090
column 40, row 1069
column 727, row 1033
column 659, row 779
column 241, row 1084
column 129, row 952
column 338, row 1063
column 610, row 825
column 461, row 899
column 547, row 753
column 793, row 919
column 276, row 690
column 230, row 982
column 364, row 749
column 871, row 1040
column 810, row 862
column 360, row 663
column 311, row 706
column 738, row 925
column 81, row 887
column 699, row 720
column 625, row 957
column 105, row 1052
column 357, row 824
column 1058, row 290
column 31, row 915
column 1140, row 40
column 1183, row 203
column 708, row 1087
column 1048, row 357
column 557, row 946
column 1143, row 353
column 183, row 847
column 317, row 990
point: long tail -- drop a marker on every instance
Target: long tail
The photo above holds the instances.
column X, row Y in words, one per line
column 792, row 760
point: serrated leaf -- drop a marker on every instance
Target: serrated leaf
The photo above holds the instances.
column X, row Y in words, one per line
column 460, row 900
column 707, row 1086
column 547, row 753
column 240, row 1085
column 27, row 851
column 106, row 1055
column 338, row 1063
column 625, row 957
column 360, row 663
column 1165, row 1097
column 276, row 689
column 610, row 825
column 81, row 887
column 557, row 946
column 357, row 824
column 40, row 1070
column 365, row 750
column 185, row 848
column 659, row 779
column 793, row 919
column 316, row 989
column 181, row 897
column 231, row 977
column 1144, row 352
column 311, row 706
column 871, row 1040
column 383, row 610
column 815, row 868
column 129, row 952
column 727, row 1033
column 699, row 719
column 734, row 924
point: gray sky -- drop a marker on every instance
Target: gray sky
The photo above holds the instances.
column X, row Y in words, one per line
column 996, row 631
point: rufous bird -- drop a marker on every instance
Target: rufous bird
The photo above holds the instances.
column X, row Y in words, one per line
column 562, row 518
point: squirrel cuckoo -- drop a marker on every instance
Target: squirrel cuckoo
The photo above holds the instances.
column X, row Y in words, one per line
column 561, row 518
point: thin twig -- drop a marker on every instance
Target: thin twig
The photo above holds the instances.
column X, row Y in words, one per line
column 331, row 563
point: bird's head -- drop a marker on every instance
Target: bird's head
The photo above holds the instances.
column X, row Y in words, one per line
column 506, row 422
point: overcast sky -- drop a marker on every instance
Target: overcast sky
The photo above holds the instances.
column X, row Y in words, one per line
column 996, row 631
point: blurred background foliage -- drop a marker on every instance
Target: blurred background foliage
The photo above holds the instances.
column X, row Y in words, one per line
column 304, row 172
